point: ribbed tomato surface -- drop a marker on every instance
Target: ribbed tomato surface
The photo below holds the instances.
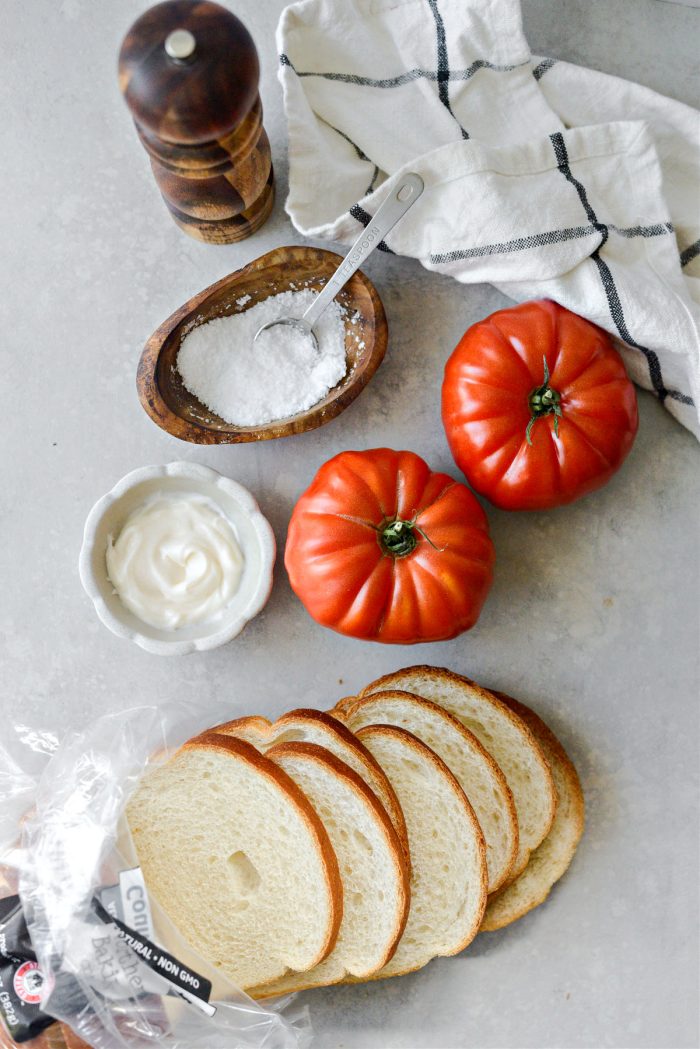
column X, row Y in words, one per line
column 539, row 370
column 379, row 547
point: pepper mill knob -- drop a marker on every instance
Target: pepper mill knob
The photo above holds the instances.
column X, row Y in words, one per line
column 180, row 44
column 189, row 72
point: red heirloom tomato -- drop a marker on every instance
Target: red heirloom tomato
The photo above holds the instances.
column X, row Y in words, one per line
column 537, row 407
column 381, row 548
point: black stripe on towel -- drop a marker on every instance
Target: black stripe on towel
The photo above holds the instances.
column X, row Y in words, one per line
column 361, row 155
column 562, row 156
column 364, row 218
column 536, row 240
column 481, row 63
column 690, row 253
column 658, row 230
column 443, row 64
column 404, row 78
column 607, row 280
column 364, row 81
column 540, row 69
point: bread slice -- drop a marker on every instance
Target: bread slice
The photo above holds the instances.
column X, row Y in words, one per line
column 238, row 859
column 448, row 876
column 506, row 737
column 314, row 726
column 473, row 767
column 551, row 859
column 376, row 890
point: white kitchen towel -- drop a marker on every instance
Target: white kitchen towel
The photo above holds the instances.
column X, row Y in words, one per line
column 543, row 178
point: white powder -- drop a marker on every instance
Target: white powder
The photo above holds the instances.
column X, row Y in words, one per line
column 248, row 383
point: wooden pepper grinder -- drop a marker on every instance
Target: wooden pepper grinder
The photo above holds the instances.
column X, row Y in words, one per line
column 189, row 72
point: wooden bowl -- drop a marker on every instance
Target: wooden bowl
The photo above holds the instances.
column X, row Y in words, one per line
column 176, row 410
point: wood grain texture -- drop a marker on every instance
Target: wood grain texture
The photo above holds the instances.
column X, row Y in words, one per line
column 160, row 388
column 200, row 120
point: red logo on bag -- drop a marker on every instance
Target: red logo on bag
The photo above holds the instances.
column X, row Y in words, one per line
column 28, row 983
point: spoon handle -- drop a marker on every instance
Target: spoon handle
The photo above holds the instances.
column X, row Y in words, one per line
column 402, row 197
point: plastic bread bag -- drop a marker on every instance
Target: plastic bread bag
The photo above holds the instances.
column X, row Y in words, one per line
column 109, row 963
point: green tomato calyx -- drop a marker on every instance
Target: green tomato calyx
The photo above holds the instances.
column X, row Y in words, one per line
column 398, row 538
column 543, row 401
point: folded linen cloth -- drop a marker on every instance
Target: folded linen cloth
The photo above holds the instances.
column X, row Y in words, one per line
column 543, row 178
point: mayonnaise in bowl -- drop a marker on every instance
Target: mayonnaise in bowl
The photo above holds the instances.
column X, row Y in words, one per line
column 201, row 554
column 176, row 561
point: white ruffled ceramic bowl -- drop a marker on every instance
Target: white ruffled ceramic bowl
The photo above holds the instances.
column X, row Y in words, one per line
column 253, row 531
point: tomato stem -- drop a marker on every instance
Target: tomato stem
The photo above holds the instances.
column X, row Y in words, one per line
column 398, row 538
column 429, row 540
column 543, row 401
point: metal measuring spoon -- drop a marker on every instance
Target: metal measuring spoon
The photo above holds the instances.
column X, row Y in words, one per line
column 402, row 197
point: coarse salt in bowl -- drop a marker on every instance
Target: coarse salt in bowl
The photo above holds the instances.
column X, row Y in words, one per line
column 253, row 532
column 176, row 410
column 251, row 381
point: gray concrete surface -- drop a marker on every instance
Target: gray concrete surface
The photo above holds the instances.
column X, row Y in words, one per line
column 594, row 614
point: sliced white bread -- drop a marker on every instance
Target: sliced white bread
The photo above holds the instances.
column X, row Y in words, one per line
column 550, row 860
column 314, row 726
column 504, row 735
column 238, row 858
column 473, row 767
column 448, row 855
column 373, row 869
